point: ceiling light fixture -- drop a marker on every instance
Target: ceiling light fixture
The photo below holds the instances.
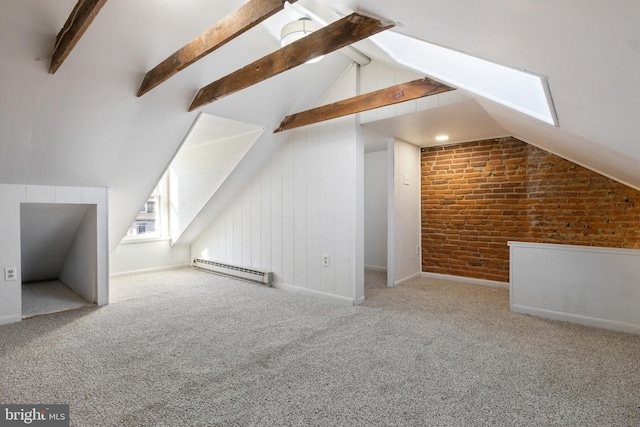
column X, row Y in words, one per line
column 442, row 138
column 298, row 29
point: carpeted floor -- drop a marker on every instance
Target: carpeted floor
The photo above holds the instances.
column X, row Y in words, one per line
column 49, row 297
column 187, row 348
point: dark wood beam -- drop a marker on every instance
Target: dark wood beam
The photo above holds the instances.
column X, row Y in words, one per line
column 81, row 17
column 339, row 34
column 368, row 101
column 236, row 23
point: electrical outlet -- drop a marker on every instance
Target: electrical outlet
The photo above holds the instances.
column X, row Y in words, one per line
column 325, row 260
column 9, row 274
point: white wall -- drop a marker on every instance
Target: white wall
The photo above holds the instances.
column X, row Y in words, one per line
column 405, row 218
column 150, row 255
column 589, row 285
column 81, row 261
column 300, row 206
column 143, row 254
column 11, row 196
column 376, row 191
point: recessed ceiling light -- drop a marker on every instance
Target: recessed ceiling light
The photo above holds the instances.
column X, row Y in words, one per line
column 442, row 138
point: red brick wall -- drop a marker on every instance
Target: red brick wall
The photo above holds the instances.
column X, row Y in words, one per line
column 477, row 196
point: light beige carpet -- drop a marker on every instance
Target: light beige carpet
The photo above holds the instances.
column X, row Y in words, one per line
column 49, row 297
column 187, row 348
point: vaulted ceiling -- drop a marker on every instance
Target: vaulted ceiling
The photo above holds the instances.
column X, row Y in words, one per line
column 85, row 126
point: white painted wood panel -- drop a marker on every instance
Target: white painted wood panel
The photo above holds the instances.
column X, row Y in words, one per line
column 406, row 214
column 247, row 231
column 256, row 210
column 288, row 244
column 265, row 219
column 40, row 194
column 329, row 164
column 68, row 194
column 378, row 75
column 300, row 186
column 12, row 196
column 228, row 257
column 300, row 206
column 588, row 285
column 344, row 225
column 312, row 217
column 199, row 170
column 276, row 218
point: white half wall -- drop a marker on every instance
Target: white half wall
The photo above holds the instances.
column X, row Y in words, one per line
column 376, row 191
column 11, row 197
column 588, row 285
column 301, row 206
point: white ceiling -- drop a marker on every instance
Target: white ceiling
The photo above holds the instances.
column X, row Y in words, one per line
column 464, row 121
column 207, row 129
column 84, row 126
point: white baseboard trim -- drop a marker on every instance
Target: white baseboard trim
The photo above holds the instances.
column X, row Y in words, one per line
column 469, row 280
column 149, row 270
column 577, row 318
column 406, row 279
column 316, row 294
column 5, row 320
column 375, row 268
column 360, row 301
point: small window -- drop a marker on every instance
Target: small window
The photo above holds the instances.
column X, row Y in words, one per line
column 147, row 223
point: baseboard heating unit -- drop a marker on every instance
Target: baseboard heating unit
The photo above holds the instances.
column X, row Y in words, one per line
column 260, row 277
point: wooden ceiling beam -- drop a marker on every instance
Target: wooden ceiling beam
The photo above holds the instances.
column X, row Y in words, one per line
column 236, row 23
column 339, row 34
column 77, row 23
column 368, row 101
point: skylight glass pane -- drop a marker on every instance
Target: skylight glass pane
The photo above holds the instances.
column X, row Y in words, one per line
column 516, row 89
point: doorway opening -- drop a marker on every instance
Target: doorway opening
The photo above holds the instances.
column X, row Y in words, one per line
column 58, row 249
column 376, row 202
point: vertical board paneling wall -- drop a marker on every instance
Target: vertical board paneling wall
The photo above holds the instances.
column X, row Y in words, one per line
column 299, row 207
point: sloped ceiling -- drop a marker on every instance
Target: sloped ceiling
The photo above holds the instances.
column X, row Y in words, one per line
column 589, row 50
column 84, row 125
column 213, row 148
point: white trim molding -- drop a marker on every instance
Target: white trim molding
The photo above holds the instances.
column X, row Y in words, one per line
column 468, row 280
column 149, row 270
column 5, row 320
column 577, row 318
column 317, row 294
column 406, row 279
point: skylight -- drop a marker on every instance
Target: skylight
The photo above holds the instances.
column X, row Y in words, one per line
column 522, row 91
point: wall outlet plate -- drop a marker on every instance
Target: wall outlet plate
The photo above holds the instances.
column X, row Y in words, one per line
column 325, row 260
column 9, row 274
